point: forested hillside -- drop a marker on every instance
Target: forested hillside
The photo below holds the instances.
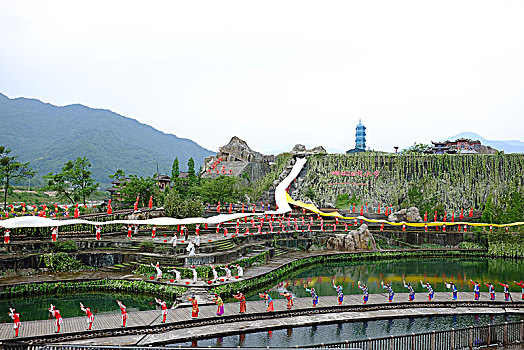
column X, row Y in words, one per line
column 48, row 136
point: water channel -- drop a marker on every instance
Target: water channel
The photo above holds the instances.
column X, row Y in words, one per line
column 332, row 333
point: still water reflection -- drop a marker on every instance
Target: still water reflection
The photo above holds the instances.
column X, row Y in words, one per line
column 311, row 335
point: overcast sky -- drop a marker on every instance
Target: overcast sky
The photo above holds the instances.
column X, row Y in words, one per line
column 276, row 73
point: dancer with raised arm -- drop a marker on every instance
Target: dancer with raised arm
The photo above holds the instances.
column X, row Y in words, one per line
column 340, row 293
column 163, row 306
column 269, row 301
column 58, row 318
column 89, row 316
column 289, row 298
column 364, row 289
column 228, row 272
column 391, row 294
column 410, row 289
column 177, row 274
column 453, row 288
column 16, row 320
column 430, row 290
column 314, row 296
column 476, row 289
column 123, row 311
column 240, row 297
column 491, row 290
column 507, row 296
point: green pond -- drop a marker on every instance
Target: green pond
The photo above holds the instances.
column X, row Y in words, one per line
column 434, row 271
column 37, row 307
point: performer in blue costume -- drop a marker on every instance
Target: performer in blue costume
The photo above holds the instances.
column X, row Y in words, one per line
column 339, row 292
column 430, row 290
column 411, row 291
column 314, row 295
column 365, row 291
column 390, row 291
column 453, row 288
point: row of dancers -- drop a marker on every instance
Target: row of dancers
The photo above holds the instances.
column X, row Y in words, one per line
column 55, row 312
column 194, row 273
column 340, row 294
column 90, row 317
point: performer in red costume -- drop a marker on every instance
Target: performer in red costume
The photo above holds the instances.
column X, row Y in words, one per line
column 16, row 320
column 123, row 311
column 89, row 316
column 163, row 306
column 58, row 318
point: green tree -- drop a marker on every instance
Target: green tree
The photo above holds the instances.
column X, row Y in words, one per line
column 11, row 170
column 139, row 187
column 222, row 188
column 191, row 171
column 118, row 175
column 74, row 182
column 175, row 175
column 515, row 209
column 415, row 148
column 488, row 214
column 342, row 201
column 175, row 206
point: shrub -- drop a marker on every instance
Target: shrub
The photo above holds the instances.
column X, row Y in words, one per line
column 147, row 246
column 61, row 262
column 65, row 246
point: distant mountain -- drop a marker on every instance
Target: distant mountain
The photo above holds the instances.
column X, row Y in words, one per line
column 510, row 146
column 48, row 136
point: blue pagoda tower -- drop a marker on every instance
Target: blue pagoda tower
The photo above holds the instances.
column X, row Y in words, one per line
column 360, row 141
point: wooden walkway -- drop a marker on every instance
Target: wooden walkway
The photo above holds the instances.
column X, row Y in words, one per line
column 112, row 322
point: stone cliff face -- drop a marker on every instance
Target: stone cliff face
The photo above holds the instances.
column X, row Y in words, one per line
column 446, row 181
column 235, row 158
column 360, row 239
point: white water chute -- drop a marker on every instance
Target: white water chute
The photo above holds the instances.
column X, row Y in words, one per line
column 280, row 199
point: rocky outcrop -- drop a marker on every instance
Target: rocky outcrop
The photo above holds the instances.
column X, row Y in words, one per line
column 408, row 215
column 360, row 239
column 237, row 158
column 300, row 150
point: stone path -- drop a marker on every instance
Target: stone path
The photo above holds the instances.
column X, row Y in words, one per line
column 350, row 310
